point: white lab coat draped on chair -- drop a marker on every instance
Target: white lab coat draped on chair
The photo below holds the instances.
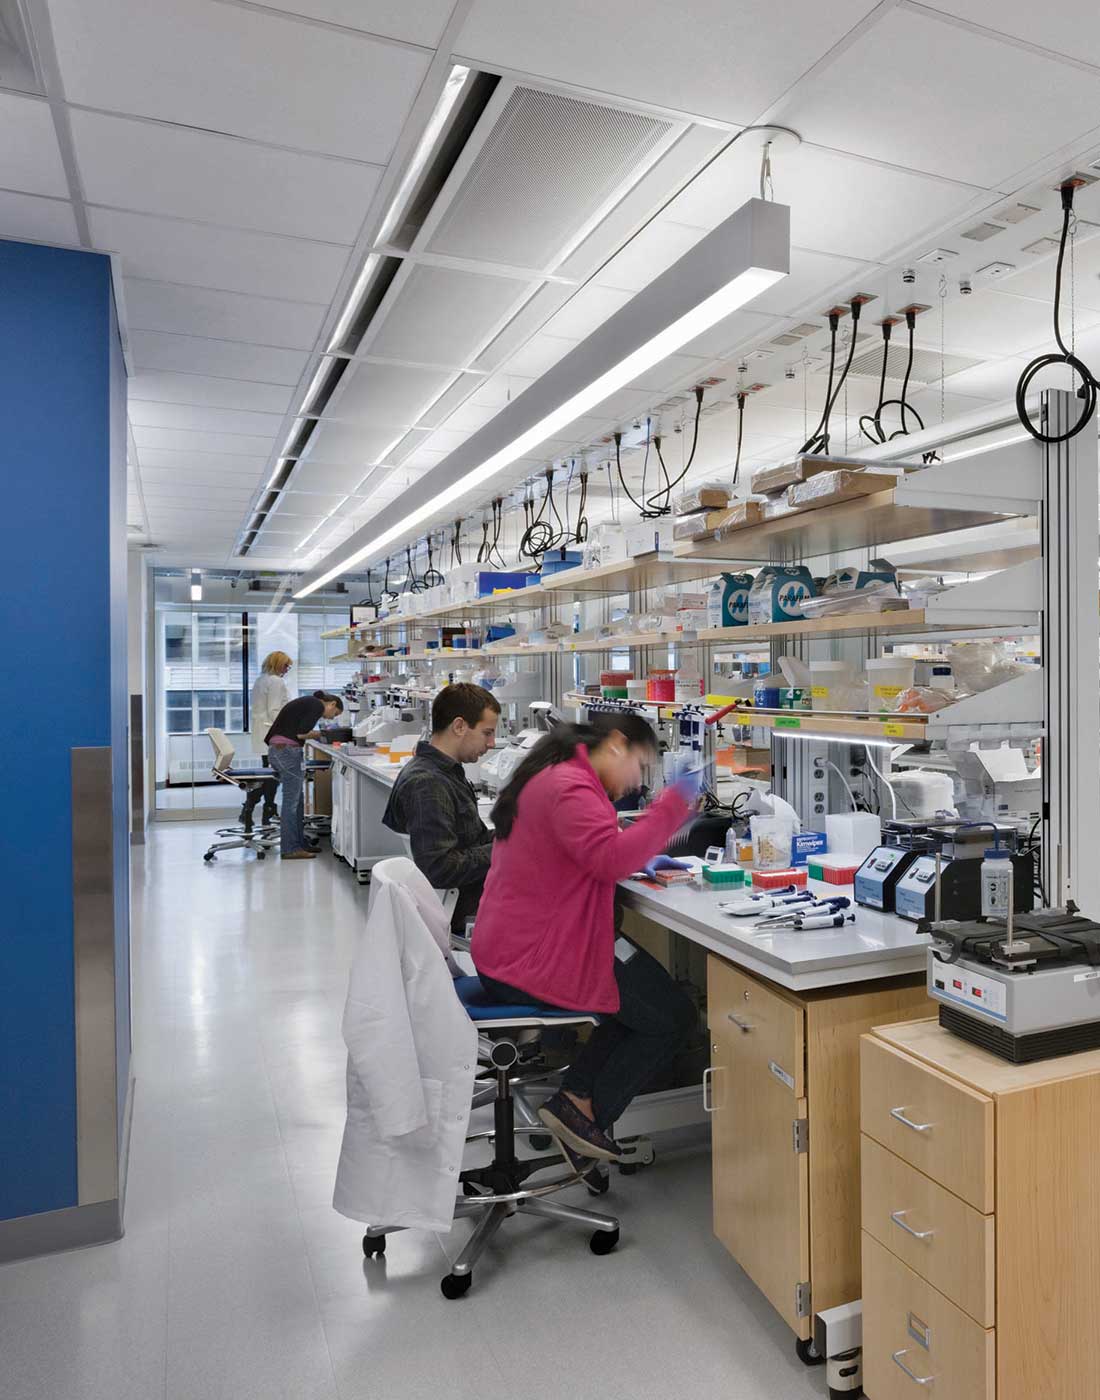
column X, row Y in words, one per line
column 412, row 1056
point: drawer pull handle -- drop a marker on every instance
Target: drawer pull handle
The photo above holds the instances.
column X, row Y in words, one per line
column 898, row 1217
column 899, row 1114
column 742, row 1026
column 708, row 1098
column 900, row 1364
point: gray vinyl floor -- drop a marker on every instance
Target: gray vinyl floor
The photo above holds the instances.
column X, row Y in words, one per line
column 237, row 1281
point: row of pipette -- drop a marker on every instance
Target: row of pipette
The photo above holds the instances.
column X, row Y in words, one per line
column 790, row 908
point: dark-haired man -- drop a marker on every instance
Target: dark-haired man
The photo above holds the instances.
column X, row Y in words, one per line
column 434, row 804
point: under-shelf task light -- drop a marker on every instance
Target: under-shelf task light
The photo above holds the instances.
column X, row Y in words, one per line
column 744, row 256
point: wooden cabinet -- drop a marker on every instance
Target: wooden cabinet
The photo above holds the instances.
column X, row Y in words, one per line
column 990, row 1293
column 784, row 1098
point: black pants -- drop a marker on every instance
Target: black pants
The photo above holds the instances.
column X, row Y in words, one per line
column 625, row 1051
column 266, row 790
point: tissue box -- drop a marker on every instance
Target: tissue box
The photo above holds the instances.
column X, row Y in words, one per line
column 805, row 844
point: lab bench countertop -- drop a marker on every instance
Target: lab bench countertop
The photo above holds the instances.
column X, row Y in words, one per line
column 381, row 769
column 876, row 945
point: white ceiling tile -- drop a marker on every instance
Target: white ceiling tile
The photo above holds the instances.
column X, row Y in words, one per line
column 386, row 393
column 1068, row 27
column 29, row 156
column 202, row 442
column 1036, row 278
column 661, row 377
column 810, row 286
column 182, row 173
column 647, row 255
column 195, row 355
column 312, row 503
column 439, row 316
column 730, row 333
column 229, row 68
column 161, row 387
column 499, row 389
column 588, row 308
column 818, row 187
column 424, row 458
column 166, row 306
column 166, row 250
column 422, row 23
column 967, row 130
column 470, row 416
column 193, row 475
column 995, row 323
column 40, row 220
column 539, row 354
column 201, row 418
column 718, row 60
column 353, row 444
column 154, row 459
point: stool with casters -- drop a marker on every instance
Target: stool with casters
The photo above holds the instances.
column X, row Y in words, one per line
column 414, row 1019
column 259, row 839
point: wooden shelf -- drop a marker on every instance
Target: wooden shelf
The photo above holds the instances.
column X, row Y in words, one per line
column 863, row 523
column 908, row 728
column 657, row 570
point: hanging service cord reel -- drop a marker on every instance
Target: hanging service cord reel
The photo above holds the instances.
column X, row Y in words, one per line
column 1064, row 356
column 431, row 577
column 818, row 442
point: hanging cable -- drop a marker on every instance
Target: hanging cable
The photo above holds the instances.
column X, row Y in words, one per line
column 819, row 443
column 456, row 545
column 495, row 556
column 580, row 532
column 870, row 425
column 413, row 584
column 611, row 493
column 902, row 404
column 741, row 397
column 671, row 485
column 1087, row 393
column 483, row 547
column 432, row 577
column 540, row 534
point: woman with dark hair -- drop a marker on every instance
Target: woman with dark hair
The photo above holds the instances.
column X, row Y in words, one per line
column 545, row 932
column 293, row 725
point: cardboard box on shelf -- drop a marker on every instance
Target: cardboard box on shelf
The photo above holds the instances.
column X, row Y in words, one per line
column 771, row 480
column 738, row 517
column 843, row 485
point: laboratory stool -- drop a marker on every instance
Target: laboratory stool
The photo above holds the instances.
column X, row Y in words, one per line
column 493, row 1193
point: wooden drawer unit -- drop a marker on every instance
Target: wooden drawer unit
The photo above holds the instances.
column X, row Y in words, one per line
column 783, row 1092
column 939, row 1236
column 915, row 1341
column 1024, row 1277
column 935, row 1123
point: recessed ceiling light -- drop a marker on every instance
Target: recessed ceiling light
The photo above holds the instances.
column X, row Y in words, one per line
column 939, row 255
column 996, row 269
column 1042, row 246
column 1015, row 213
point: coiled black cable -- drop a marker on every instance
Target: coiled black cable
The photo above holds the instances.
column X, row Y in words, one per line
column 819, row 443
column 431, row 578
column 1065, row 356
column 415, row 585
column 671, row 484
column 540, row 535
column 876, row 433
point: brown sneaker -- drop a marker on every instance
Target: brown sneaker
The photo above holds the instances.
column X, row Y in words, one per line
column 299, row 855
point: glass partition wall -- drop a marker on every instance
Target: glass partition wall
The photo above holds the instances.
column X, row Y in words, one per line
column 207, row 656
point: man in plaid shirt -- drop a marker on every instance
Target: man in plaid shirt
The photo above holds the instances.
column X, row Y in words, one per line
column 434, row 804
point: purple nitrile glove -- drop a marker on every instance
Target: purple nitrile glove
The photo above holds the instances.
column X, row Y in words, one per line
column 664, row 863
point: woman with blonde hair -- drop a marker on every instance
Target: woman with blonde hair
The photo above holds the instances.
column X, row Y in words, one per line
column 269, row 695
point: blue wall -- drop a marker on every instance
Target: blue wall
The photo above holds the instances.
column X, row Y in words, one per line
column 62, row 615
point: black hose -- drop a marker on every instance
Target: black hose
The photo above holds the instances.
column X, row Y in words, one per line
column 740, row 433
column 1088, row 391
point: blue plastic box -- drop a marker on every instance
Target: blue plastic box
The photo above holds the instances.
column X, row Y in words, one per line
column 805, row 844
column 489, row 583
column 554, row 563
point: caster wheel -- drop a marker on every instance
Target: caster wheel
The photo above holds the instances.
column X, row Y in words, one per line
column 455, row 1285
column 597, row 1183
column 627, row 1168
column 260, row 855
column 541, row 1142
column 209, row 857
column 603, row 1241
column 808, row 1353
column 374, row 1245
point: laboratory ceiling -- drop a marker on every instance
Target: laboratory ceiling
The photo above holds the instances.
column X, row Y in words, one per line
column 238, row 161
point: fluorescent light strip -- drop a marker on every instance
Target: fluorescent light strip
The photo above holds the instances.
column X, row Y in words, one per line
column 827, row 738
column 452, row 90
column 742, row 288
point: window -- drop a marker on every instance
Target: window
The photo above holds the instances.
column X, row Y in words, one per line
column 177, row 641
column 213, row 638
column 210, row 705
column 177, row 712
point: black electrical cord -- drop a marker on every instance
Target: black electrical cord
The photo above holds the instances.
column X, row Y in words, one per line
column 1088, row 390
column 741, row 397
column 415, row 585
column 456, row 545
column 387, row 591
column 819, row 443
column 495, row 556
column 540, row 535
column 483, row 547
column 580, row 532
column 671, row 485
column 432, row 578
column 874, row 433
column 902, row 404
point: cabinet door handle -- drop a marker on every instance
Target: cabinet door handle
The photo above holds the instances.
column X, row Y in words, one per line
column 899, row 1114
column 742, row 1026
column 708, row 1100
column 900, row 1364
column 898, row 1217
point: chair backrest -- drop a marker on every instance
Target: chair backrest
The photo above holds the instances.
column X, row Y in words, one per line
column 223, row 750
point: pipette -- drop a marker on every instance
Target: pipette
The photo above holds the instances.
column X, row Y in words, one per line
column 758, row 903
column 832, row 905
column 796, row 923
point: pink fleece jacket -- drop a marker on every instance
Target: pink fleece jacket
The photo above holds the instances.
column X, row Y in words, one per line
column 546, row 921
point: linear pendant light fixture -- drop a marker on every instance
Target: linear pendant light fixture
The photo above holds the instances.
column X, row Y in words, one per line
column 744, row 256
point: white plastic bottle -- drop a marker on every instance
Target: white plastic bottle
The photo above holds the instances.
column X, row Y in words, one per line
column 730, row 855
column 996, row 878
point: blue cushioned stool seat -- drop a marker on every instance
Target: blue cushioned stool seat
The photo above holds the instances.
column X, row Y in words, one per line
column 481, row 1007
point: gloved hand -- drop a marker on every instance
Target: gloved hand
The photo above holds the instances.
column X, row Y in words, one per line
column 689, row 785
column 664, row 863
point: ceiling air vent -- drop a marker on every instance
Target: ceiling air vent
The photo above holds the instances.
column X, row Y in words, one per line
column 980, row 232
column 804, row 328
column 929, row 367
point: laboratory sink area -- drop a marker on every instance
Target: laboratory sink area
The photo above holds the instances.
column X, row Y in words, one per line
column 567, row 862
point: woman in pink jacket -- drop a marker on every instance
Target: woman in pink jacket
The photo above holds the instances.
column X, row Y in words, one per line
column 545, row 930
